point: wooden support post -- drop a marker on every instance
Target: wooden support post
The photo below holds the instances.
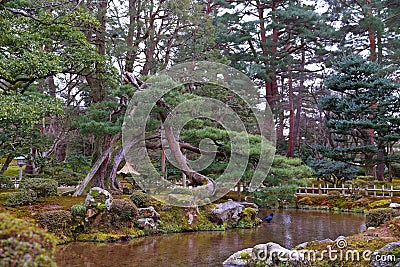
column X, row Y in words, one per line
column 312, row 188
column 319, row 189
column 391, row 191
column 383, row 190
column 374, row 190
column 343, row 190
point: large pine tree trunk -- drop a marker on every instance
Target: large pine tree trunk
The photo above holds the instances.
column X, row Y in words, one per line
column 290, row 149
column 371, row 34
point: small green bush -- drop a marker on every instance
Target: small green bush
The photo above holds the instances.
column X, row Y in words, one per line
column 56, row 220
column 140, row 199
column 21, row 198
column 5, row 183
column 43, row 187
column 124, row 209
column 78, row 210
column 22, row 244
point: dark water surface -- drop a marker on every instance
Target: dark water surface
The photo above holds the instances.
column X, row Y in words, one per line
column 288, row 228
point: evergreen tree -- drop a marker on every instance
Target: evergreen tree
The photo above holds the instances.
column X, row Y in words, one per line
column 362, row 115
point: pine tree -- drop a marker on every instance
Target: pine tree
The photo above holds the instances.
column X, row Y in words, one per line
column 362, row 115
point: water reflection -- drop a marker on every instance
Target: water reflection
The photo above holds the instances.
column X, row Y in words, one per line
column 288, row 228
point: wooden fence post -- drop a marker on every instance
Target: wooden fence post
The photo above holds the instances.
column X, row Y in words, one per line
column 312, row 188
column 374, row 190
column 391, row 191
column 343, row 190
column 366, row 191
column 383, row 190
column 319, row 189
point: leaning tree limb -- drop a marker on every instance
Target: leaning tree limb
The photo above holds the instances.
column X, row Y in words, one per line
column 95, row 167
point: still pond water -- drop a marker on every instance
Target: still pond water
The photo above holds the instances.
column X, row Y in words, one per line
column 288, row 228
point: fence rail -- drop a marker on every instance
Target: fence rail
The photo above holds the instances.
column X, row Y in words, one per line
column 349, row 190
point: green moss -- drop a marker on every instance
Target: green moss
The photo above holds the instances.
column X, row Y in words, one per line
column 384, row 203
column 12, row 171
column 22, row 244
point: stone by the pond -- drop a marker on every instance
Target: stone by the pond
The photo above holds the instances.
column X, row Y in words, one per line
column 302, row 245
column 384, row 257
column 236, row 259
column 272, row 253
column 97, row 198
column 149, row 212
column 147, row 223
column 394, row 205
column 230, row 211
column 265, row 254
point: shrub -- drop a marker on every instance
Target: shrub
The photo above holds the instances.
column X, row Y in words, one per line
column 334, row 172
column 20, row 198
column 140, row 199
column 384, row 203
column 56, row 220
column 5, row 183
column 376, row 217
column 78, row 210
column 43, row 187
column 305, row 201
column 22, row 244
column 124, row 209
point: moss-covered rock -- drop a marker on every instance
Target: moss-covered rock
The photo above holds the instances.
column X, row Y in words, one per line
column 98, row 200
column 22, row 244
column 123, row 210
column 379, row 216
column 140, row 199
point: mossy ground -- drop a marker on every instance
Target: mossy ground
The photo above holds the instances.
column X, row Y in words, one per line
column 359, row 204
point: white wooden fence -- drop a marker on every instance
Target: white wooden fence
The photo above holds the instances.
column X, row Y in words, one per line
column 349, row 190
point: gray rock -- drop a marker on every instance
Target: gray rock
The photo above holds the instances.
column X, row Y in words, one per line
column 325, row 240
column 394, row 205
column 384, row 258
column 302, row 245
column 147, row 223
column 227, row 212
column 339, row 238
column 236, row 260
column 272, row 253
column 149, row 212
column 266, row 254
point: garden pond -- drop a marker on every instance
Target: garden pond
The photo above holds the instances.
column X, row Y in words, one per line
column 288, row 228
